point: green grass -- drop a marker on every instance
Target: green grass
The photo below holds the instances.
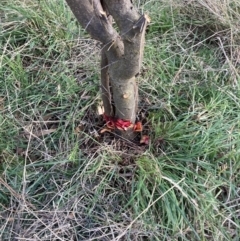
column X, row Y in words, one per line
column 57, row 183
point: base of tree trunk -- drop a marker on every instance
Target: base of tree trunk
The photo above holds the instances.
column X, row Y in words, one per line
column 129, row 134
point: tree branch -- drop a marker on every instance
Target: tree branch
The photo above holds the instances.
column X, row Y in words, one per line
column 93, row 19
column 132, row 31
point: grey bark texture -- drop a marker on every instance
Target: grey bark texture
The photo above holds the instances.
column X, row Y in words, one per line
column 122, row 52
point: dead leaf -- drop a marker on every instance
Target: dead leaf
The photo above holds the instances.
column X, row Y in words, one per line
column 138, row 127
column 78, row 129
column 106, row 129
column 44, row 132
column 145, row 140
column 71, row 215
column 29, row 131
column 84, row 95
column 1, row 103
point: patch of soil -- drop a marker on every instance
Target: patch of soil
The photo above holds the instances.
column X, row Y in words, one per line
column 90, row 127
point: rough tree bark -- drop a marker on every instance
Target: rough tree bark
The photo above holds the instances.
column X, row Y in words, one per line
column 121, row 56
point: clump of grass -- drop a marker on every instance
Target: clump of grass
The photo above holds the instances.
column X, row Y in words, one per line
column 60, row 182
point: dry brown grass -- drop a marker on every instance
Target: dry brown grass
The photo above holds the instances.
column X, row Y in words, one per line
column 61, row 180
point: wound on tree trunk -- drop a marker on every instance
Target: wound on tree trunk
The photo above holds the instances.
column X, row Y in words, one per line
column 121, row 55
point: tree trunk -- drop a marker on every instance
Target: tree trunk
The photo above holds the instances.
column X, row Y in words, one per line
column 122, row 54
